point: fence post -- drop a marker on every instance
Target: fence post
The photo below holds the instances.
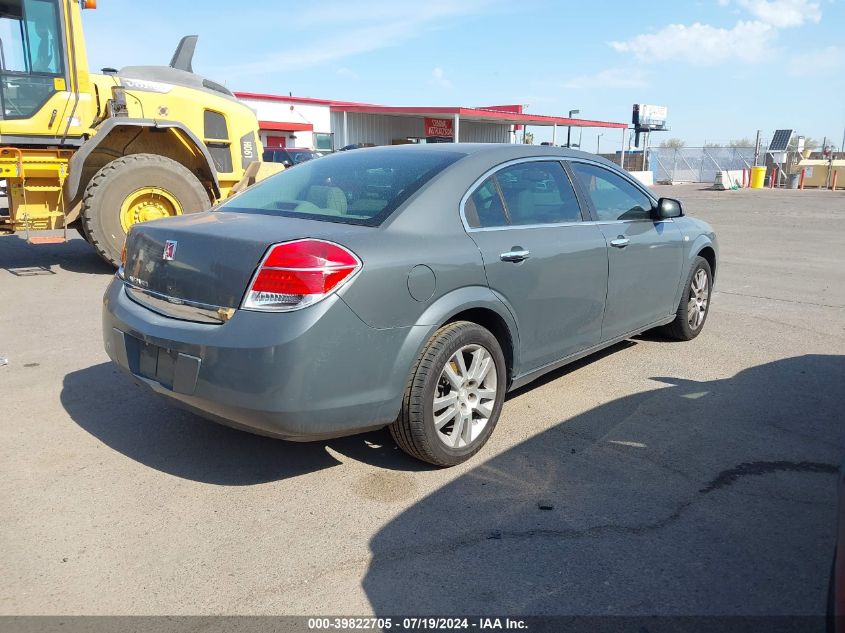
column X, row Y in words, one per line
column 674, row 165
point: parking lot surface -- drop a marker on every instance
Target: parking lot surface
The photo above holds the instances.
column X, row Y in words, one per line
column 674, row 478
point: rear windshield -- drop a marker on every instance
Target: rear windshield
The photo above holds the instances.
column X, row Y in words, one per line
column 353, row 187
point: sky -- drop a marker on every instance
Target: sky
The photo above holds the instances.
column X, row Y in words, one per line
column 723, row 68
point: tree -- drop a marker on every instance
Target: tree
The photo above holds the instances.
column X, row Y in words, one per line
column 528, row 138
column 712, row 145
column 673, row 143
column 741, row 142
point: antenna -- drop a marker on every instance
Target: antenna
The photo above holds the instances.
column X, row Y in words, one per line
column 184, row 54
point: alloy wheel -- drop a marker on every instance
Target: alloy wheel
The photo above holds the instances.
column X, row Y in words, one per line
column 465, row 396
column 698, row 297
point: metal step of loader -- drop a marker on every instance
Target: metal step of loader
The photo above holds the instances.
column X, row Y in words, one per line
column 47, row 239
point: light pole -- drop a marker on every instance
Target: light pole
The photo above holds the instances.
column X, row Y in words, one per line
column 598, row 142
column 569, row 128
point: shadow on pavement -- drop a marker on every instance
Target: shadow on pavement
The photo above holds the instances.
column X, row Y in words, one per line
column 21, row 259
column 135, row 422
column 696, row 498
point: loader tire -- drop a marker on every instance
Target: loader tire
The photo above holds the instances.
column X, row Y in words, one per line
column 132, row 189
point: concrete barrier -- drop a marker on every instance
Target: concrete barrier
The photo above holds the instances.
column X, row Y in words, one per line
column 645, row 177
column 731, row 179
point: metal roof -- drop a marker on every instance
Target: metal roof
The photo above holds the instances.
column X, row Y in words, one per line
column 466, row 114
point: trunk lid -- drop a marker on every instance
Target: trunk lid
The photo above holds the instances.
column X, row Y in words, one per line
column 192, row 266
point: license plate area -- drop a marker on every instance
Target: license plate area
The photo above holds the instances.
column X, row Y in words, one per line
column 173, row 370
column 157, row 363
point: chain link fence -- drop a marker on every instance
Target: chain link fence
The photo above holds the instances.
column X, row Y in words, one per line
column 697, row 164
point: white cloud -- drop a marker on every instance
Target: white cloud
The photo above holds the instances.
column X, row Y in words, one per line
column 438, row 78
column 354, row 27
column 609, row 78
column 748, row 41
column 346, row 72
column 702, row 44
column 820, row 61
column 783, row 13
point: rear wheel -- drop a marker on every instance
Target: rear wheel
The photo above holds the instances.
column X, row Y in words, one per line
column 133, row 189
column 454, row 396
column 695, row 303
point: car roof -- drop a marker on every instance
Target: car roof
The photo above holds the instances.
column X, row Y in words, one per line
column 497, row 151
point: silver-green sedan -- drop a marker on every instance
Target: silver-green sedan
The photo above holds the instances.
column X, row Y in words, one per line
column 407, row 286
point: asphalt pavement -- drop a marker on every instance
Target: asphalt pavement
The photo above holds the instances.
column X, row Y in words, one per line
column 656, row 477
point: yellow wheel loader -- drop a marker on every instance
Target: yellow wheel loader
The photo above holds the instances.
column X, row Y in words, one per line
column 100, row 152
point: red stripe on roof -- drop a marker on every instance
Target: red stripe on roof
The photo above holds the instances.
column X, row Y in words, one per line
column 286, row 127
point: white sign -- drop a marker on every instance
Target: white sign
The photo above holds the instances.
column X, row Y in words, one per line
column 652, row 114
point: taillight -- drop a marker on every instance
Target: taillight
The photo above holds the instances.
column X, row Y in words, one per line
column 297, row 274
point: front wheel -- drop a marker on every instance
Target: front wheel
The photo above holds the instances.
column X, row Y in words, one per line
column 695, row 303
column 454, row 396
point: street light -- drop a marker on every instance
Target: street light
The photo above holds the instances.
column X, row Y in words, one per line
column 598, row 142
column 569, row 127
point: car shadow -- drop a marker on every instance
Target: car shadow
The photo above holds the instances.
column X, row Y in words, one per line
column 693, row 498
column 571, row 367
column 135, row 422
column 21, row 259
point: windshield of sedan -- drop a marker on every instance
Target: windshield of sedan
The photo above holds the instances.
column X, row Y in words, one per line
column 355, row 187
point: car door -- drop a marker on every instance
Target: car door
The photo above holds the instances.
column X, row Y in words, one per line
column 544, row 261
column 645, row 255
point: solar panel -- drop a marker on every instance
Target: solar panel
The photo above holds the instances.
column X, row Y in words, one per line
column 780, row 141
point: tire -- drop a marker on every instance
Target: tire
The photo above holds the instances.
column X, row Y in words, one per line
column 117, row 181
column 681, row 328
column 415, row 430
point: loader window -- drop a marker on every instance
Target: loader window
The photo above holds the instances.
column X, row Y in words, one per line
column 30, row 55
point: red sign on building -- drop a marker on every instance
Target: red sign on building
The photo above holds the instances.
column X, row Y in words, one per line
column 439, row 127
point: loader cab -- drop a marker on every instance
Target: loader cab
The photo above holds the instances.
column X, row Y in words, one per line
column 32, row 56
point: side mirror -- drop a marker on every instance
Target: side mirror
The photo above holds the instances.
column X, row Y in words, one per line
column 288, row 164
column 668, row 208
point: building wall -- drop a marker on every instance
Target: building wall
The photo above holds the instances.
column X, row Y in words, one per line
column 290, row 112
column 383, row 129
column 378, row 129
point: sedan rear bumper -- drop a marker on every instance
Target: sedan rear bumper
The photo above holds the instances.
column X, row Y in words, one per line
column 305, row 375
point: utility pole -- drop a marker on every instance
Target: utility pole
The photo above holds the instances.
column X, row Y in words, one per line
column 757, row 149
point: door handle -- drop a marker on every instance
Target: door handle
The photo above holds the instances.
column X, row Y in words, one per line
column 515, row 255
column 620, row 242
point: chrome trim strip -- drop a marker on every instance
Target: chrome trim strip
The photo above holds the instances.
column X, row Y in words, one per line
column 559, row 159
column 512, row 227
column 176, row 308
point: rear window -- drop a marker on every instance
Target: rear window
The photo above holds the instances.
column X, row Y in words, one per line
column 355, row 187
